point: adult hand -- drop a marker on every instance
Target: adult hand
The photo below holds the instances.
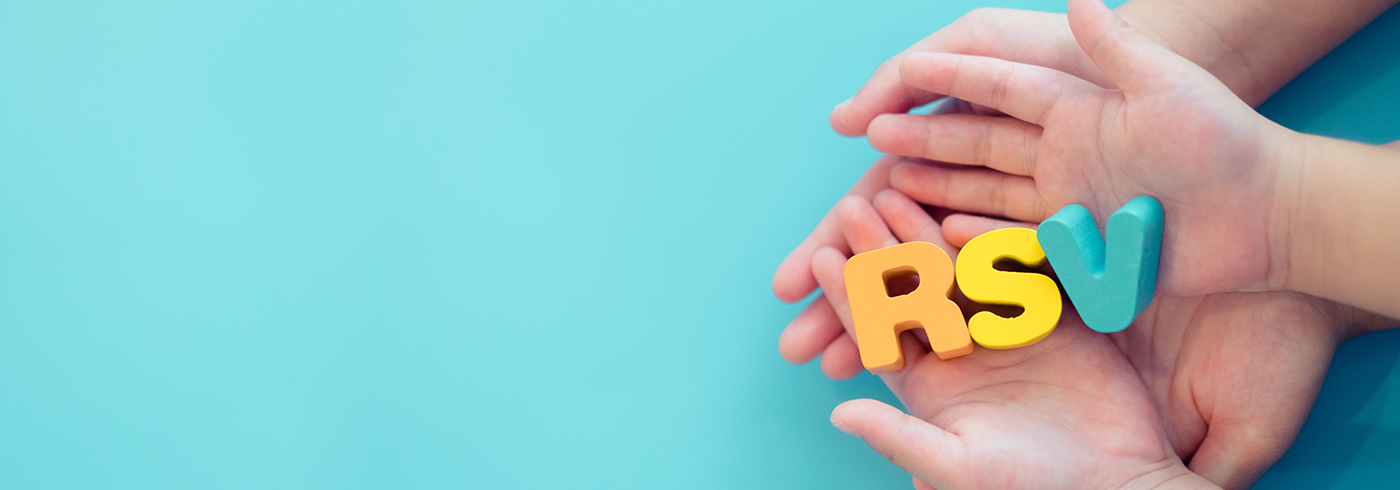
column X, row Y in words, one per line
column 1066, row 412
column 1234, row 375
column 1036, row 38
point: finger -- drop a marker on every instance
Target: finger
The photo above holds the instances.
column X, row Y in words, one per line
column 1130, row 59
column 973, row 190
column 866, row 231
column 841, row 359
column 886, row 93
column 929, row 453
column 914, row 347
column 1000, row 143
column 1236, row 455
column 862, row 226
column 920, row 485
column 909, row 221
column 810, row 333
column 793, row 279
column 829, row 266
column 960, row 228
column 1026, row 92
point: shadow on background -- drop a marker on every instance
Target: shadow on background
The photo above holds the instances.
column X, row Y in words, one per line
column 1346, row 419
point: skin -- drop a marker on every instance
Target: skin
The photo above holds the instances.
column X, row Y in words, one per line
column 1336, row 249
column 1173, row 132
column 1234, row 374
column 1032, row 417
column 1236, row 41
column 1253, row 46
column 1186, row 360
column 1250, row 205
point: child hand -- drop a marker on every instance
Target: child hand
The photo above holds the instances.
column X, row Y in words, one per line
column 1031, row 37
column 818, row 329
column 1233, row 374
column 1066, row 412
column 1172, row 132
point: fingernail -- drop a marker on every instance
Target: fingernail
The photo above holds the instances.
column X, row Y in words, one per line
column 843, row 103
column 899, row 168
column 844, row 427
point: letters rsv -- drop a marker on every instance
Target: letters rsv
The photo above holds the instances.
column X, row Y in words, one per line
column 1109, row 281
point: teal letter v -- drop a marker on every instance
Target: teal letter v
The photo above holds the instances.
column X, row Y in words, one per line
column 1109, row 289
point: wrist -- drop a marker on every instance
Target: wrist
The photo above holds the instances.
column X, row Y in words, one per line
column 1286, row 228
column 1329, row 227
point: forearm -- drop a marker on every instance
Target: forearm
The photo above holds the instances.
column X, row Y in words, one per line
column 1254, row 46
column 1338, row 215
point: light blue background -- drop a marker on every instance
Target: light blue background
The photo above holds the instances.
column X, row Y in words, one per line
column 444, row 245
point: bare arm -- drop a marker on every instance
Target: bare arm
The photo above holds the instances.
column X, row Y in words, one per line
column 1340, row 213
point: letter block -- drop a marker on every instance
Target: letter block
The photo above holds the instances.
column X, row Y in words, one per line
column 879, row 318
column 981, row 282
column 1109, row 283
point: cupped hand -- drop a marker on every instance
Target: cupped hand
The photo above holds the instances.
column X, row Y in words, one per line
column 1234, row 375
column 1066, row 412
column 1032, row 37
column 1172, row 131
column 1036, row 38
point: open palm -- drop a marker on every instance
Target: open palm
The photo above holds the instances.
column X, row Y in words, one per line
column 1234, row 375
column 1171, row 131
column 1067, row 412
column 1037, row 38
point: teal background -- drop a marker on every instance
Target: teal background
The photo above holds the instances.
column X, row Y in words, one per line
column 446, row 245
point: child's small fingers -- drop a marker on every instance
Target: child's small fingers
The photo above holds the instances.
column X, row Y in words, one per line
column 959, row 228
column 862, row 226
column 810, row 333
column 793, row 279
column 999, row 143
column 975, row 190
column 909, row 221
column 1026, row 92
column 841, row 359
column 829, row 267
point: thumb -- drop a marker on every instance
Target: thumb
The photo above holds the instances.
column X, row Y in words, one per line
column 1235, row 456
column 1131, row 60
column 929, row 453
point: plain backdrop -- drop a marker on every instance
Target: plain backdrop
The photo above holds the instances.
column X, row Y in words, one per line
column 271, row 244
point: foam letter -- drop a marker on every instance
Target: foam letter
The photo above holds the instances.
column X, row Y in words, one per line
column 880, row 318
column 1036, row 293
column 1109, row 289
